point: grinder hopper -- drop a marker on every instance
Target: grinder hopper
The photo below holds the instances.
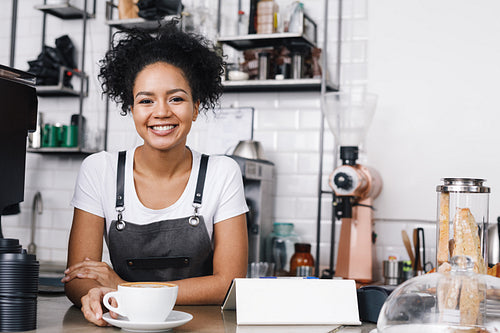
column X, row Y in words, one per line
column 349, row 114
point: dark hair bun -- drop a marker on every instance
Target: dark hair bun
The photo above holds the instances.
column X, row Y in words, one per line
column 134, row 49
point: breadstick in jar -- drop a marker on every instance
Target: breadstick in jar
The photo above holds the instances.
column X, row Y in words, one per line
column 467, row 240
column 448, row 292
column 444, row 228
column 469, row 302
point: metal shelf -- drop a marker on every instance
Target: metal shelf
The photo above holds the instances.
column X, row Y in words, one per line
column 56, row 91
column 65, row 11
column 267, row 40
column 305, row 39
column 62, row 150
column 139, row 23
column 61, row 90
column 276, row 85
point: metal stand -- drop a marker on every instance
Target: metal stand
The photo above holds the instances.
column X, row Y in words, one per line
column 12, row 40
column 330, row 272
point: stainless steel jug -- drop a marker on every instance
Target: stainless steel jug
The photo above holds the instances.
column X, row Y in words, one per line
column 494, row 242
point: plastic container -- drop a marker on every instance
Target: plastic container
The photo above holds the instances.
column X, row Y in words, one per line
column 302, row 262
column 280, row 246
column 457, row 300
column 267, row 12
column 296, row 20
column 463, row 210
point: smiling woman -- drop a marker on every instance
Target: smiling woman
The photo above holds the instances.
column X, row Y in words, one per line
column 167, row 212
column 163, row 107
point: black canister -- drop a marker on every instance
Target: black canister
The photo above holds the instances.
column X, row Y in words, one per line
column 9, row 245
column 19, row 273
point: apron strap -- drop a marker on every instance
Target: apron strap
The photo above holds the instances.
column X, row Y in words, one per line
column 120, row 181
column 201, row 180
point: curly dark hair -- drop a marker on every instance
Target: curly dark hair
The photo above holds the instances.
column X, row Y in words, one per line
column 200, row 61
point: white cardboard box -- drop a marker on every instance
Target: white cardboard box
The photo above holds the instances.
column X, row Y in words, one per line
column 293, row 301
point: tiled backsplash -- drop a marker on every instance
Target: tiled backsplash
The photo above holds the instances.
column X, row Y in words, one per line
column 287, row 124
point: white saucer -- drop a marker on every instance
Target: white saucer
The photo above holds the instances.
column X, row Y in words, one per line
column 174, row 319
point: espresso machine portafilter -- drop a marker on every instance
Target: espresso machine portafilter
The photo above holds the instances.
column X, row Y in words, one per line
column 354, row 185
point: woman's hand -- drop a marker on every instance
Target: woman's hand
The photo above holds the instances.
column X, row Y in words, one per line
column 92, row 305
column 94, row 270
column 230, row 261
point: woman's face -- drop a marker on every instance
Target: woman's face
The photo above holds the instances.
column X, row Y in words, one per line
column 163, row 108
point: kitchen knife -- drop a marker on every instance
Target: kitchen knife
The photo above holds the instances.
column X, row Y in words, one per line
column 421, row 247
column 417, row 265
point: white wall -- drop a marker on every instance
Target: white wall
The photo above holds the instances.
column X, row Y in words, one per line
column 435, row 66
column 432, row 64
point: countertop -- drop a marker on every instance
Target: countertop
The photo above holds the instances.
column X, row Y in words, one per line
column 56, row 314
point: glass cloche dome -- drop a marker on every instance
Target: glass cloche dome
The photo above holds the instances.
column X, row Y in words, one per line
column 455, row 299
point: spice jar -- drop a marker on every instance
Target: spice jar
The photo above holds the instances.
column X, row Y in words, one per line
column 302, row 262
column 463, row 205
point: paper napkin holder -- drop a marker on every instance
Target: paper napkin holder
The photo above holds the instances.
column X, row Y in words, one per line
column 292, row 301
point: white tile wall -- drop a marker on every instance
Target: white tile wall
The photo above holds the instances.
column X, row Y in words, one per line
column 287, row 124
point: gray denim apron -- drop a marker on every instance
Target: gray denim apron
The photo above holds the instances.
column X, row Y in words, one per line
column 160, row 251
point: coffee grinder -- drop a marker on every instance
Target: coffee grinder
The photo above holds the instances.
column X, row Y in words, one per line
column 354, row 186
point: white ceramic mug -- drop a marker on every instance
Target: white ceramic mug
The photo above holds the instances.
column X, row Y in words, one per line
column 143, row 301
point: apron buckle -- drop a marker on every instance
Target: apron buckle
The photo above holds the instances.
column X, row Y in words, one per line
column 120, row 224
column 194, row 220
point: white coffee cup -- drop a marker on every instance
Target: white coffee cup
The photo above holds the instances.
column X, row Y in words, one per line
column 143, row 301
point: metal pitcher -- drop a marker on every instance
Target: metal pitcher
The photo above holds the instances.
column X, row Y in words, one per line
column 494, row 242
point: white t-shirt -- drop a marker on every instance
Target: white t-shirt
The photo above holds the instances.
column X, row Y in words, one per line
column 223, row 194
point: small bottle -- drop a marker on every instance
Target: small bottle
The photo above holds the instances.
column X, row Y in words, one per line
column 302, row 262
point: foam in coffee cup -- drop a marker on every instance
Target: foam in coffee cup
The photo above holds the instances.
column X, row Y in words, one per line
column 143, row 301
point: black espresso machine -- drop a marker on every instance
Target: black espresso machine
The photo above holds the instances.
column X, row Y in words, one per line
column 18, row 270
column 18, row 112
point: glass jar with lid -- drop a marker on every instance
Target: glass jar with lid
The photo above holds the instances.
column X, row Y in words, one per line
column 280, row 246
column 455, row 299
column 463, row 210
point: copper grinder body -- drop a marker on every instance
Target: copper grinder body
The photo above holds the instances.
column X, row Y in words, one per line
column 355, row 187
